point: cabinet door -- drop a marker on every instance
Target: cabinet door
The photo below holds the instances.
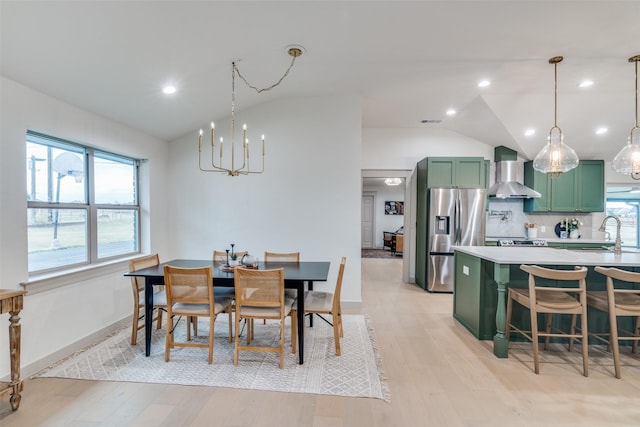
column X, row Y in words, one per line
column 563, row 192
column 469, row 173
column 590, row 182
column 539, row 182
column 441, row 172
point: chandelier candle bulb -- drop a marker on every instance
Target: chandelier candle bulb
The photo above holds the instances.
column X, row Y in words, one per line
column 213, row 127
column 200, row 141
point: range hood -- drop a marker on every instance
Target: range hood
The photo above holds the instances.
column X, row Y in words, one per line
column 509, row 176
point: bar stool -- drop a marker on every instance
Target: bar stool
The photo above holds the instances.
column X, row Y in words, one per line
column 618, row 300
column 552, row 300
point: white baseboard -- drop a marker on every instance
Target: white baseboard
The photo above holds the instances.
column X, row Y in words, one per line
column 27, row 370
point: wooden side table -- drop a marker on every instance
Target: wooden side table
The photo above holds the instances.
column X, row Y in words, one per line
column 11, row 302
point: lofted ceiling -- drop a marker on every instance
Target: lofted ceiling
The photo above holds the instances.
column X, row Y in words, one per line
column 408, row 61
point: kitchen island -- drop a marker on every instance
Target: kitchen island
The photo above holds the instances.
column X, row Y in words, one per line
column 483, row 273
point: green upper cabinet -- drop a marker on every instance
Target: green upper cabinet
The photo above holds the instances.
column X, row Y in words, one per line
column 591, row 191
column 461, row 172
column 579, row 190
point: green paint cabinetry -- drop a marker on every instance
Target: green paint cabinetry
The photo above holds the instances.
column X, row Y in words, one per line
column 579, row 190
column 461, row 172
column 441, row 172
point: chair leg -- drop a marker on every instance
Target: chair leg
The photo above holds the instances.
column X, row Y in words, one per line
column 613, row 340
column 134, row 327
column 636, row 332
column 189, row 320
column 169, row 338
column 237, row 339
column 230, row 327
column 336, row 332
column 584, row 341
column 281, row 343
column 547, row 339
column 212, row 323
column 159, row 324
column 572, row 331
column 534, row 336
column 507, row 331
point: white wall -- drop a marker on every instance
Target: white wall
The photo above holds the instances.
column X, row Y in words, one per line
column 55, row 319
column 403, row 148
column 307, row 199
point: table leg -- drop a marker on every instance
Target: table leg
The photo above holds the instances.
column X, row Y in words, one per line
column 148, row 314
column 14, row 350
column 300, row 288
column 311, row 314
column 500, row 343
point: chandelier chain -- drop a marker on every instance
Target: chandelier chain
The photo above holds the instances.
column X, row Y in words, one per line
column 236, row 70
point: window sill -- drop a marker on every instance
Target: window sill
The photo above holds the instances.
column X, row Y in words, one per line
column 47, row 282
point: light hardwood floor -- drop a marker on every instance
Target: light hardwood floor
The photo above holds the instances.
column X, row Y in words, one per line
column 438, row 373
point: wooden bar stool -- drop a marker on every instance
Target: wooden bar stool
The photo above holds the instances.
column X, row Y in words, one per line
column 618, row 300
column 552, row 300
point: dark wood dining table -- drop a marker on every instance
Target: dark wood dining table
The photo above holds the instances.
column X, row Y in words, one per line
column 295, row 276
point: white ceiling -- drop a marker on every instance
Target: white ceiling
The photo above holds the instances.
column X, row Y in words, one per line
column 408, row 61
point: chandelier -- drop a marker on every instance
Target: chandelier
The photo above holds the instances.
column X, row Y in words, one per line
column 627, row 161
column 244, row 168
column 556, row 157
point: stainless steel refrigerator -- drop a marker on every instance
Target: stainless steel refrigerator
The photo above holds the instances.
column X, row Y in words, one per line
column 456, row 217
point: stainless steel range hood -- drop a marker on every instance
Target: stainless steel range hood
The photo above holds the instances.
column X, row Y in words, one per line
column 509, row 177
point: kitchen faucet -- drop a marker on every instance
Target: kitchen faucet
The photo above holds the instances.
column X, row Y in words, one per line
column 617, row 248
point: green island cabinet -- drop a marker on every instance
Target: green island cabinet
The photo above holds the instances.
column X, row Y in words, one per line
column 442, row 172
column 579, row 190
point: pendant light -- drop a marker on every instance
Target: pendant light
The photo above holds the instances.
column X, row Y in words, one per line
column 556, row 157
column 627, row 161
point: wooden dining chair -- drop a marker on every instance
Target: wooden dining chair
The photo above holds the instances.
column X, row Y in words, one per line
column 221, row 256
column 292, row 294
column 137, row 286
column 319, row 302
column 190, row 293
column 260, row 295
column 620, row 299
column 549, row 300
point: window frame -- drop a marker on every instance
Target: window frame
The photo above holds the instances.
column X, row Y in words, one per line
column 89, row 206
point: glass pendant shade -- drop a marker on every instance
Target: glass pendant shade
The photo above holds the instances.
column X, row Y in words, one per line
column 556, row 157
column 627, row 161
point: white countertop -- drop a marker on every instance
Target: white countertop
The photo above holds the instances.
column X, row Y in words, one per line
column 553, row 240
column 551, row 256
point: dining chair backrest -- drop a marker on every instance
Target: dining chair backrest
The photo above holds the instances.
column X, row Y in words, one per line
column 259, row 288
column 188, row 285
column 222, row 255
column 137, row 282
column 336, row 293
column 283, row 257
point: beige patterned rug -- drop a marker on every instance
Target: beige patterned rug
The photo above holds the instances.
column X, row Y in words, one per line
column 357, row 372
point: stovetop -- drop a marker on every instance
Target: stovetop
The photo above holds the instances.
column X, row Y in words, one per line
column 522, row 242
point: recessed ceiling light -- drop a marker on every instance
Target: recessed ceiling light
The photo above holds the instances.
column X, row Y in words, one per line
column 168, row 90
column 451, row 112
column 484, row 83
column 585, row 83
column 602, row 130
column 529, row 132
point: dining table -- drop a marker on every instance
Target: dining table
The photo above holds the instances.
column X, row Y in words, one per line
column 296, row 274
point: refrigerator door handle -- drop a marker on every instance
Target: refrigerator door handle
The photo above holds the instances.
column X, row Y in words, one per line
column 456, row 221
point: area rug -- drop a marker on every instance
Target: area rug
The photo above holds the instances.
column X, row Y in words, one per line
column 379, row 253
column 357, row 372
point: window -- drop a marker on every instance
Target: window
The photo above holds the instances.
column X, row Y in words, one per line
column 624, row 203
column 82, row 204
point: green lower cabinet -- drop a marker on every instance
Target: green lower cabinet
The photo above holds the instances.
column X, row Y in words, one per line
column 475, row 299
column 475, row 296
